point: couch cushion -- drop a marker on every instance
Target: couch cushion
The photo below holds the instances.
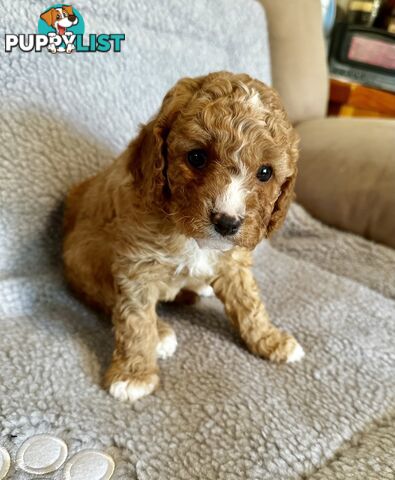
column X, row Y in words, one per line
column 221, row 413
column 347, row 175
column 64, row 116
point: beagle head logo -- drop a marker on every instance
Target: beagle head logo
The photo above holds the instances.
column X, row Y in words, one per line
column 61, row 23
column 60, row 18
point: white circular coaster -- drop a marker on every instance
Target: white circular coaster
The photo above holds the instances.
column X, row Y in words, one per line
column 41, row 454
column 5, row 462
column 89, row 465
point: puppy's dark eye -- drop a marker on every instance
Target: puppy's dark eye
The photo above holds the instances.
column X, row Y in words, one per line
column 264, row 173
column 197, row 158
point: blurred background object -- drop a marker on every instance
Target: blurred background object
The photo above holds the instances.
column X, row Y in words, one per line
column 328, row 14
column 363, row 12
column 386, row 16
column 362, row 54
column 353, row 100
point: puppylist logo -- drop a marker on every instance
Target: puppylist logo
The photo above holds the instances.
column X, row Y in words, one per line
column 61, row 29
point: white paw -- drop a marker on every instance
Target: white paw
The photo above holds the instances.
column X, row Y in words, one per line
column 70, row 48
column 296, row 355
column 206, row 291
column 133, row 390
column 167, row 346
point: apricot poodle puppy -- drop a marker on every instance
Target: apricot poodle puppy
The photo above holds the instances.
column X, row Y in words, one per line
column 209, row 177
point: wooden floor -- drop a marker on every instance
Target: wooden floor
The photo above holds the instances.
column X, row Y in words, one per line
column 354, row 100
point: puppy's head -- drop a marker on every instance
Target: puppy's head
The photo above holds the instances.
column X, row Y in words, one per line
column 219, row 159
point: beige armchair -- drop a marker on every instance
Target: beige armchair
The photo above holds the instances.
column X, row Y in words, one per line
column 347, row 165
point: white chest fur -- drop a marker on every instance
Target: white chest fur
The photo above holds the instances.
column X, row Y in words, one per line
column 197, row 262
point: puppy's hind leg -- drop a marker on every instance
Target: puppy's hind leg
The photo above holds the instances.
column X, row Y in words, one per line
column 190, row 295
column 167, row 340
column 185, row 297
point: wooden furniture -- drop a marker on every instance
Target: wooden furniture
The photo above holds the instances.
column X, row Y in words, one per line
column 354, row 100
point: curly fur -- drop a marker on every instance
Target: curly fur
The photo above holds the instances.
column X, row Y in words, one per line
column 140, row 231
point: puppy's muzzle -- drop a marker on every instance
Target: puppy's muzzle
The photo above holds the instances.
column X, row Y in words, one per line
column 225, row 224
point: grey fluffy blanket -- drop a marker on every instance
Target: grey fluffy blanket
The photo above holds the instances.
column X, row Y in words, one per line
column 221, row 413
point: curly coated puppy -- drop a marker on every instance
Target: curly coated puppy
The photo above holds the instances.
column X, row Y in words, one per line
column 209, row 177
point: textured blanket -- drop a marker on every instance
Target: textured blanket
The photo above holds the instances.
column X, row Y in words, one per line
column 220, row 413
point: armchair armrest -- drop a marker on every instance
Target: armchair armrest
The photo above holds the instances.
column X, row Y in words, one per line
column 347, row 175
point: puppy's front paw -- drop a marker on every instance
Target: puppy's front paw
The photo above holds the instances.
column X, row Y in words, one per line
column 279, row 347
column 287, row 349
column 133, row 389
column 296, row 354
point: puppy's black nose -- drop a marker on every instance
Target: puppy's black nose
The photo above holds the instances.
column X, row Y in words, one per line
column 72, row 18
column 225, row 224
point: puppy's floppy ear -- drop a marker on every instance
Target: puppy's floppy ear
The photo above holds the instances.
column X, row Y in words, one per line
column 282, row 204
column 287, row 188
column 48, row 16
column 69, row 9
column 148, row 153
column 282, row 133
